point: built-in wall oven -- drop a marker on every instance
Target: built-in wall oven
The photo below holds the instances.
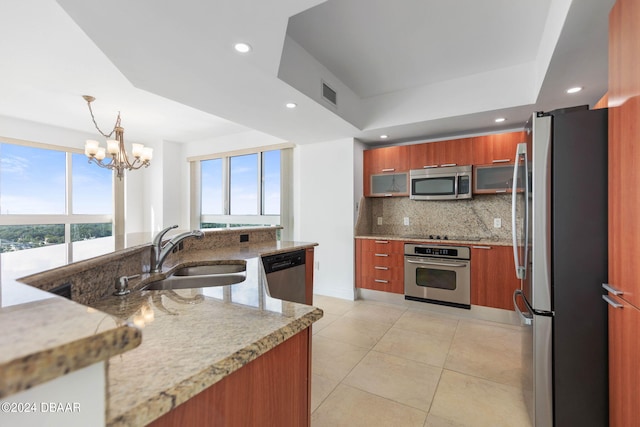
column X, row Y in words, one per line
column 438, row 274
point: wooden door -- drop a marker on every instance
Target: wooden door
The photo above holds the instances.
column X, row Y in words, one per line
column 624, row 373
column 493, row 278
column 496, row 148
column 624, row 212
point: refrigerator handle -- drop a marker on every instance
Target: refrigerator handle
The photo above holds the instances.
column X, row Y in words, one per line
column 521, row 150
column 527, row 319
column 532, row 311
column 611, row 302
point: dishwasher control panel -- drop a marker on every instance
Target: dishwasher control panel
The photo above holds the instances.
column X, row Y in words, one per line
column 277, row 262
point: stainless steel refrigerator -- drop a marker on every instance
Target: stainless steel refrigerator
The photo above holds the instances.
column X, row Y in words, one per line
column 559, row 225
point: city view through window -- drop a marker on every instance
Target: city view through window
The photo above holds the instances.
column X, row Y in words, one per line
column 35, row 209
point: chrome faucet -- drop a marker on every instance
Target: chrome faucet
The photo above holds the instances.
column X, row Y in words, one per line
column 159, row 252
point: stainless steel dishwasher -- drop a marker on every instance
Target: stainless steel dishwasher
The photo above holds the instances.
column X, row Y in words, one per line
column 286, row 275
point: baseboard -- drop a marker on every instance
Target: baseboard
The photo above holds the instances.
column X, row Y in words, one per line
column 341, row 293
column 476, row 312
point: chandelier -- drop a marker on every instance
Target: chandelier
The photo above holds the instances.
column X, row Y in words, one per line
column 119, row 161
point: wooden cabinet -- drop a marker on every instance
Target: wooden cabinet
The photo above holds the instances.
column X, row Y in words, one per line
column 496, row 178
column 624, row 212
column 624, row 156
column 273, row 390
column 624, row 374
column 386, row 171
column 496, row 148
column 493, row 278
column 380, row 265
column 455, row 152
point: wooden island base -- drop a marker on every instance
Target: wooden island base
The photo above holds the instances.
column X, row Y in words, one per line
column 272, row 390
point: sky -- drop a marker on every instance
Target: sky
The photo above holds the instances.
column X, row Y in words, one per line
column 243, row 180
column 32, row 181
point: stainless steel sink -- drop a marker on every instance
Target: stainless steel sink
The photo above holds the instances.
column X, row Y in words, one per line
column 200, row 270
column 203, row 276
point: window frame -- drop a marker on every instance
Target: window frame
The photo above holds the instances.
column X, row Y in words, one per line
column 68, row 218
column 286, row 190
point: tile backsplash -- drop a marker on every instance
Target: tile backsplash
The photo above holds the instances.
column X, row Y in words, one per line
column 469, row 218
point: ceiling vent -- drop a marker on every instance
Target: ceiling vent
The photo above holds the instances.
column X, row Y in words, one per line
column 329, row 94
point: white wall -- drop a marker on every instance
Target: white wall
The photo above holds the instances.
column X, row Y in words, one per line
column 324, row 212
column 40, row 132
column 81, row 393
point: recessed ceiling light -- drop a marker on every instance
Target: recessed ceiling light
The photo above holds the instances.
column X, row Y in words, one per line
column 574, row 89
column 384, row 136
column 291, row 105
column 500, row 119
column 242, row 47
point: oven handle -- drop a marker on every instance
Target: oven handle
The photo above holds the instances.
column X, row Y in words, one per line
column 441, row 264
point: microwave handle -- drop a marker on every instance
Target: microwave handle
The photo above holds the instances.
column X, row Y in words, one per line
column 455, row 185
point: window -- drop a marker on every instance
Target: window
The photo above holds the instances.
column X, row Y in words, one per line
column 212, row 195
column 271, row 182
column 241, row 189
column 243, row 185
column 51, row 195
column 32, row 180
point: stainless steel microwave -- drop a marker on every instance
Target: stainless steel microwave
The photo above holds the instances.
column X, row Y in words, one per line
column 445, row 183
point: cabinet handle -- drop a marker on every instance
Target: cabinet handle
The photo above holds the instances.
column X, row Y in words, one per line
column 377, row 267
column 611, row 302
column 382, row 241
column 502, row 161
column 388, row 195
column 449, row 164
column 429, row 166
column 388, row 170
column 382, row 254
column 611, row 289
column 501, row 191
column 381, row 281
column 481, row 247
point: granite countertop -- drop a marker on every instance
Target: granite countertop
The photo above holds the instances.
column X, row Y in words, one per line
column 161, row 347
column 192, row 338
column 425, row 239
column 45, row 336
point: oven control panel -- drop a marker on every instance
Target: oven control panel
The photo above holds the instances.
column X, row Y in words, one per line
column 452, row 252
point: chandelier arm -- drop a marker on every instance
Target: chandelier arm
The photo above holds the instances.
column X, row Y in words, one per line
column 96, row 124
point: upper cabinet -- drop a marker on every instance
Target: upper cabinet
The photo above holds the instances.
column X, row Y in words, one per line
column 386, row 171
column 497, row 148
column 455, row 152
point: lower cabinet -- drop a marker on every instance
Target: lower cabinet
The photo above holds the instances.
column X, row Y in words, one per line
column 493, row 278
column 272, row 390
column 624, row 365
column 380, row 265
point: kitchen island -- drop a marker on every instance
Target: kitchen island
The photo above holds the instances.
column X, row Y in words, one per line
column 194, row 340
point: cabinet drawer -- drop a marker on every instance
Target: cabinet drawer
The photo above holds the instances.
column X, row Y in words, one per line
column 385, row 272
column 371, row 260
column 377, row 284
column 383, row 246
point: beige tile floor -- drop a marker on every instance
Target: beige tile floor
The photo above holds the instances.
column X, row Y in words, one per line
column 377, row 364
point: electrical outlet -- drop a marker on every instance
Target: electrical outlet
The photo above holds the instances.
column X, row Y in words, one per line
column 406, row 220
column 497, row 222
column 379, row 220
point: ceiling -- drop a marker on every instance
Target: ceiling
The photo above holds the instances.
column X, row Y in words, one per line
column 412, row 69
